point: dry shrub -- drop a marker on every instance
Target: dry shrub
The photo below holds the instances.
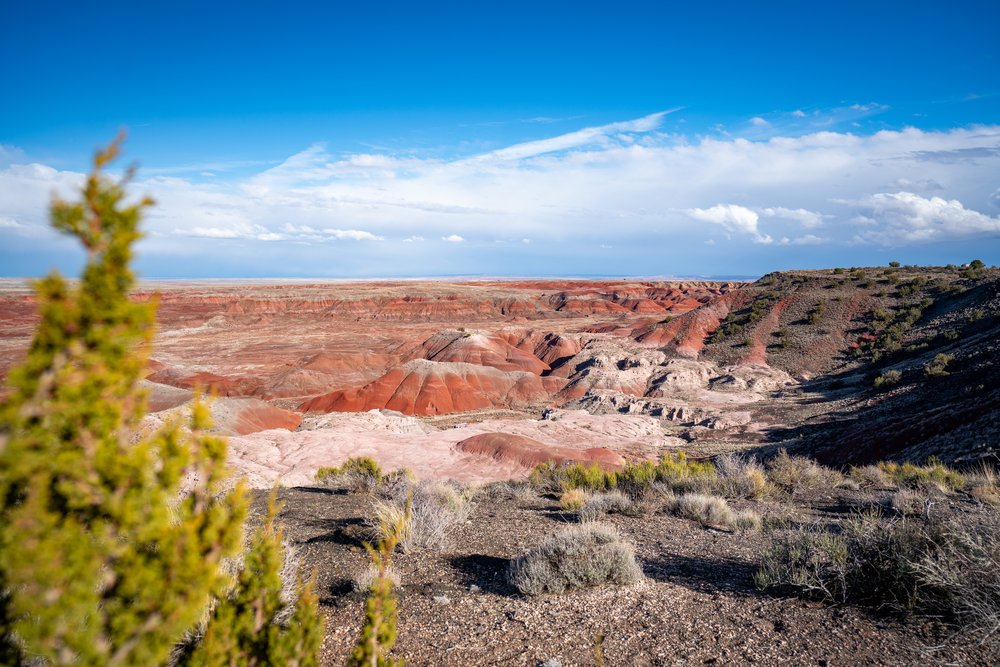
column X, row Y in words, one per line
column 657, row 498
column 437, row 508
column 579, row 556
column 388, row 518
column 961, row 577
column 507, row 490
column 871, row 477
column 810, row 562
column 793, row 474
column 907, row 502
column 709, row 511
column 601, row 504
column 396, row 484
column 573, row 499
column 362, row 579
column 947, row 569
column 742, row 478
column 747, row 520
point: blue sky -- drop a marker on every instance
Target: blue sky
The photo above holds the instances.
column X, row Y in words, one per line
column 381, row 139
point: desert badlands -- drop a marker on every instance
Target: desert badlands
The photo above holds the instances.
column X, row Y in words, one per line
column 483, row 384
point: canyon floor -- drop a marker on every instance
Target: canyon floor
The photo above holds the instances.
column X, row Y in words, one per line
column 479, row 381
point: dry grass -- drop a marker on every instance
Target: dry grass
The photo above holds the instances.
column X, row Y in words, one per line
column 713, row 512
column 436, row 508
column 871, row 477
column 579, row 556
column 573, row 499
column 742, row 478
column 793, row 474
column 984, row 486
column 363, row 578
column 601, row 504
column 508, row 490
column 907, row 502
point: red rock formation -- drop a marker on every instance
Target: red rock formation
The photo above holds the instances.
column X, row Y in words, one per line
column 422, row 387
column 209, row 382
column 481, row 349
column 261, row 416
column 686, row 334
column 529, row 452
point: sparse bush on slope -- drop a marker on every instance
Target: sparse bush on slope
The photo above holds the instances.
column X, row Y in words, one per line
column 601, row 504
column 949, row 569
column 742, row 478
column 579, row 556
column 793, row 474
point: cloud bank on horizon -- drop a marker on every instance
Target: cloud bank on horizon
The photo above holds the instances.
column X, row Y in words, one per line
column 624, row 198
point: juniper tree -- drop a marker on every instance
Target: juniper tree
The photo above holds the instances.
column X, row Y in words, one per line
column 253, row 626
column 378, row 633
column 110, row 541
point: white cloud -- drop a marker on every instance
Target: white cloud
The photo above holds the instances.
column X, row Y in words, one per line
column 734, row 218
column 566, row 194
column 799, row 113
column 587, row 136
column 868, row 108
column 807, row 219
column 454, row 238
column 759, row 122
column 9, row 223
column 211, row 233
column 904, row 217
column 351, row 234
column 808, row 239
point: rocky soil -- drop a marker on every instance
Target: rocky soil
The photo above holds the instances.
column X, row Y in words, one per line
column 698, row 604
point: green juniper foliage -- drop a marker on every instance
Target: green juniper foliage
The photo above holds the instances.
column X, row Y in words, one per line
column 246, row 628
column 107, row 555
column 378, row 634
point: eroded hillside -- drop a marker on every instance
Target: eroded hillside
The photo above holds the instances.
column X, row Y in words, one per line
column 480, row 380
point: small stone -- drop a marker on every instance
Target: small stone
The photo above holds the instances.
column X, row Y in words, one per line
column 442, row 599
column 474, row 589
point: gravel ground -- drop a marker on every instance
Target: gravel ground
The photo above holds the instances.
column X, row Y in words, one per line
column 698, row 605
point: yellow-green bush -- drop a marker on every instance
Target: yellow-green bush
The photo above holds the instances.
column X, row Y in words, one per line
column 255, row 624
column 378, row 633
column 106, row 556
column 360, row 473
column 573, row 499
column 912, row 476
